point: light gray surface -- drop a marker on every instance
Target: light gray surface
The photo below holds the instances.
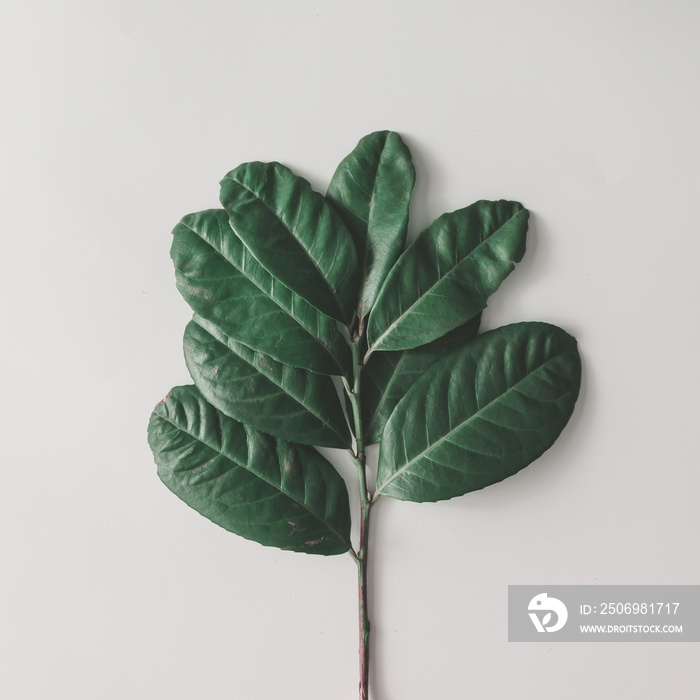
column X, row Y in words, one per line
column 120, row 117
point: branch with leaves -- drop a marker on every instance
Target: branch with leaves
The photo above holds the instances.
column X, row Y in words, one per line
column 290, row 288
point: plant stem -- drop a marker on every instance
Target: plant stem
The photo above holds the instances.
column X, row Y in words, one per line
column 362, row 555
column 362, row 561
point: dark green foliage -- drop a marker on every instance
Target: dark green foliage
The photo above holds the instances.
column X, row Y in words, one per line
column 260, row 487
column 372, row 189
column 295, row 234
column 481, row 414
column 389, row 375
column 287, row 287
column 299, row 405
column 225, row 284
column 447, row 274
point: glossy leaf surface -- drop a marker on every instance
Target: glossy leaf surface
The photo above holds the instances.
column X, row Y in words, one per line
column 371, row 188
column 445, row 277
column 389, row 375
column 262, row 488
column 483, row 413
column 225, row 284
column 251, row 387
column 295, row 234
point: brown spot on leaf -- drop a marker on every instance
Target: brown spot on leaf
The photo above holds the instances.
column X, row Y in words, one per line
column 264, row 361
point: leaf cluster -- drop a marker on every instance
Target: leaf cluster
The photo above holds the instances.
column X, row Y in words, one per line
column 289, row 289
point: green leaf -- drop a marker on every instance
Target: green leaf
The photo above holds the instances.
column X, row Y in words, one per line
column 445, row 277
column 295, row 234
column 389, row 375
column 483, row 413
column 262, row 488
column 371, row 188
column 223, row 283
column 255, row 389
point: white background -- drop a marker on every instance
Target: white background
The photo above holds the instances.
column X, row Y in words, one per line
column 120, row 116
